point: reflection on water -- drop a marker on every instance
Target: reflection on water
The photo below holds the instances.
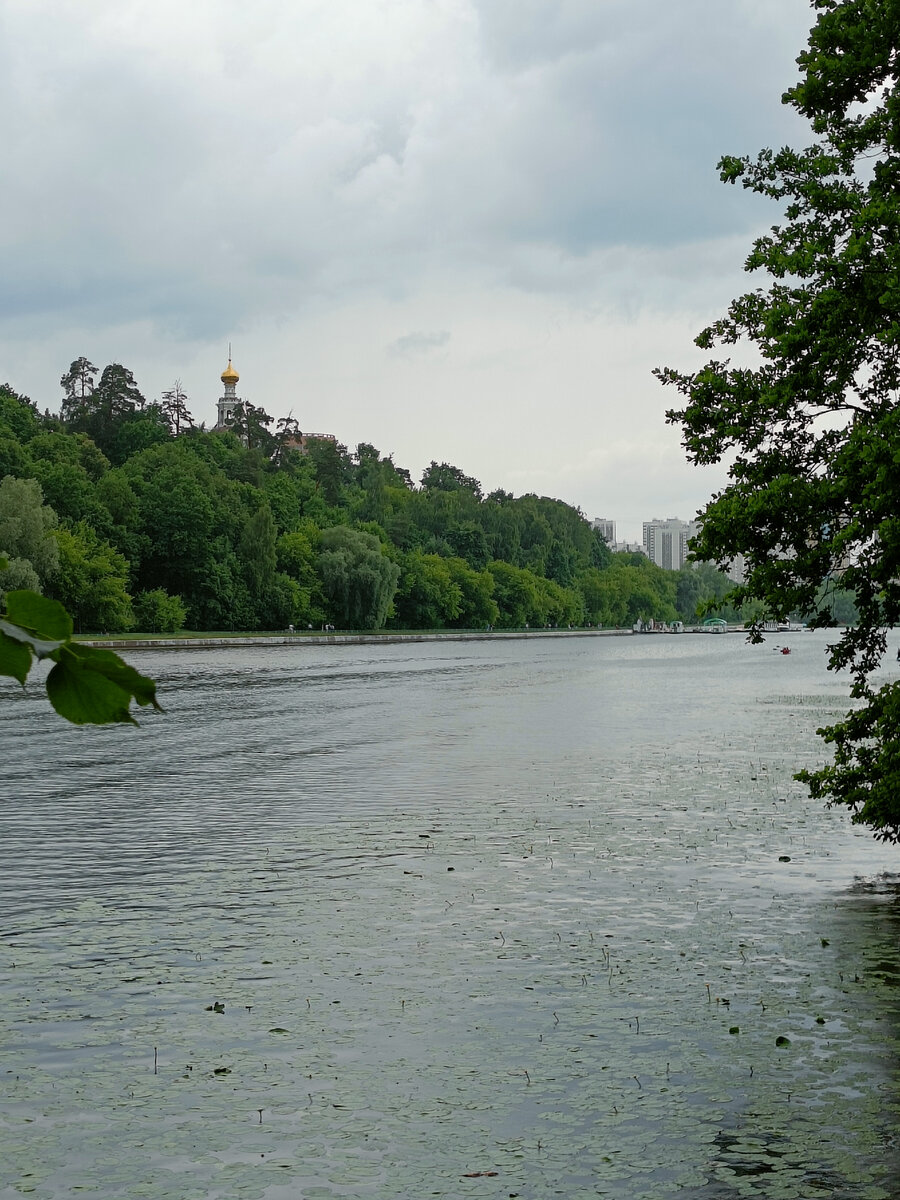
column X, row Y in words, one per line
column 376, row 921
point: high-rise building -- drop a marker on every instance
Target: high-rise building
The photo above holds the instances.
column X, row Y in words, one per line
column 666, row 542
column 606, row 529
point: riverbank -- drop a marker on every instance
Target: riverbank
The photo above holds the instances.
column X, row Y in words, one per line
column 211, row 641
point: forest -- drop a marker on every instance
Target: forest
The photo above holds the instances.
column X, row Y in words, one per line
column 135, row 518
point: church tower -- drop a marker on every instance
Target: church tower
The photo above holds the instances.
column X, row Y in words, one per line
column 230, row 399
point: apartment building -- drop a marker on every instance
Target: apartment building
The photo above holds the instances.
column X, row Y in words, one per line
column 666, row 542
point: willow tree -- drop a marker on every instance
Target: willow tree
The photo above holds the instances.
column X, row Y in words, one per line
column 812, row 425
column 358, row 579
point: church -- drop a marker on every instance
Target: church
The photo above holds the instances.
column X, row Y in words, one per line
column 230, row 400
column 292, row 437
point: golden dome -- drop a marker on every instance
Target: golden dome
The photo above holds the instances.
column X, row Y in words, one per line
column 230, row 375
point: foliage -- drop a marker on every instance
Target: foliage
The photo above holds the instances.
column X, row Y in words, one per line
column 632, row 588
column 446, row 478
column 158, row 612
column 78, row 387
column 813, row 428
column 91, row 581
column 700, row 589
column 251, row 425
column 18, row 574
column 174, row 408
column 19, row 417
column 477, row 606
column 256, row 550
column 358, row 579
column 839, row 601
column 87, row 686
column 251, row 530
column 428, row 597
column 296, row 557
column 26, row 527
column 516, row 595
column 332, row 468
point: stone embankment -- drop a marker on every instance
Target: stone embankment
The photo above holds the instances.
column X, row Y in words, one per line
column 353, row 639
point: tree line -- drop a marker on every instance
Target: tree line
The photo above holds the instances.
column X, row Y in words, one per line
column 133, row 517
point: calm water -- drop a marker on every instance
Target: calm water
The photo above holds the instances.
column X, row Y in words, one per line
column 446, row 919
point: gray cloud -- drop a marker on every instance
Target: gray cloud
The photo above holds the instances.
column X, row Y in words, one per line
column 178, row 175
column 414, row 344
column 234, row 171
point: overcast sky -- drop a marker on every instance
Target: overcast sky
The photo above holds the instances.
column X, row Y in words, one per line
column 464, row 230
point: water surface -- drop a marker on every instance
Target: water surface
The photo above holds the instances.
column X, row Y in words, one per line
column 454, row 919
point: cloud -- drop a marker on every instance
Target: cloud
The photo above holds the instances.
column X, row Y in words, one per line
column 245, row 163
column 414, row 344
column 178, row 176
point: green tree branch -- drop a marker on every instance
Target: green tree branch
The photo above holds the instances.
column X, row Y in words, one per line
column 87, row 686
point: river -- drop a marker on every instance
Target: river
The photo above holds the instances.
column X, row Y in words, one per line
column 522, row 918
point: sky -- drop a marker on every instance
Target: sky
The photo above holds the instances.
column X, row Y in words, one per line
column 460, row 230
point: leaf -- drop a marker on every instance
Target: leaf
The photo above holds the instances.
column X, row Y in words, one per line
column 40, row 646
column 95, row 687
column 85, row 697
column 15, row 658
column 88, row 686
column 117, row 671
column 47, row 619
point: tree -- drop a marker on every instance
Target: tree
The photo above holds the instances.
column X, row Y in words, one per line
column 117, row 394
column 287, row 439
column 468, row 542
column 446, row 478
column 91, row 581
column 358, row 579
column 158, row 612
column 18, row 573
column 56, row 447
column 516, row 594
column 251, row 425
column 69, row 490
column 117, row 496
column 296, row 554
column 332, row 464
column 256, row 551
column 428, row 597
column 78, row 387
column 137, row 431
column 26, row 528
column 101, row 411
column 813, row 428
column 175, row 409
column 477, row 604
column 632, row 588
column 19, row 416
column 700, row 588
